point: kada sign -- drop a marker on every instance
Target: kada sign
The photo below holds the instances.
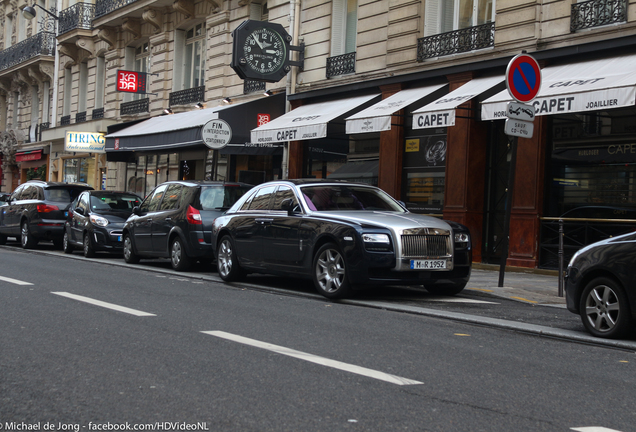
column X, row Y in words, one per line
column 523, row 78
column 131, row 81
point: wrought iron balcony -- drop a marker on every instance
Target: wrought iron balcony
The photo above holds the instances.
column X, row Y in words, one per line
column 80, row 117
column 42, row 43
column 595, row 13
column 135, row 107
column 103, row 7
column 65, row 120
column 78, row 16
column 341, row 65
column 251, row 86
column 98, row 113
column 187, row 96
column 458, row 41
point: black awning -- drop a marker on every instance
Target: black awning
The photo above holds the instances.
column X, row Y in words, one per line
column 252, row 149
column 171, row 134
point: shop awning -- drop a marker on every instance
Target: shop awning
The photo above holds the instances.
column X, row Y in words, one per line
column 29, row 155
column 441, row 113
column 184, row 129
column 577, row 87
column 252, row 149
column 307, row 121
column 378, row 117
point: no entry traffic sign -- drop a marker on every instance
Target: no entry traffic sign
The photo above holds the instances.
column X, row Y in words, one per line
column 523, row 78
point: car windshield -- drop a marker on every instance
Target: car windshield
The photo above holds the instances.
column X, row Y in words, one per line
column 114, row 202
column 220, row 197
column 348, row 197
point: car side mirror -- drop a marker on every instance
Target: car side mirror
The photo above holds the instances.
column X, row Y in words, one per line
column 136, row 211
column 287, row 205
column 78, row 210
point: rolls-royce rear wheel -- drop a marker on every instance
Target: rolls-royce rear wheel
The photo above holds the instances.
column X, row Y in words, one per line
column 329, row 272
column 604, row 309
column 226, row 262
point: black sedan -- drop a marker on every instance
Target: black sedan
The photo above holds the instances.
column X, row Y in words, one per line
column 600, row 286
column 342, row 236
column 95, row 221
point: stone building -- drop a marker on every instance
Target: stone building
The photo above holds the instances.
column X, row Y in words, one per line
column 404, row 94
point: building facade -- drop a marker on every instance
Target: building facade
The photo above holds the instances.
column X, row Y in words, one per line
column 398, row 93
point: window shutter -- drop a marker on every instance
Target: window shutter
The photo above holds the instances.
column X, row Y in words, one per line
column 338, row 27
column 432, row 17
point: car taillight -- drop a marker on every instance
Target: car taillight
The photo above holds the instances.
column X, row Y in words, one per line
column 193, row 216
column 46, row 208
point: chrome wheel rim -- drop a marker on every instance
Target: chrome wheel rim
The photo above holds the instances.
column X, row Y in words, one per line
column 87, row 246
column 602, row 308
column 176, row 253
column 24, row 234
column 224, row 258
column 65, row 241
column 330, row 270
column 127, row 248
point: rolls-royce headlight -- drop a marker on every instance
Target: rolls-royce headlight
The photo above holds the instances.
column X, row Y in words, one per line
column 462, row 237
column 376, row 238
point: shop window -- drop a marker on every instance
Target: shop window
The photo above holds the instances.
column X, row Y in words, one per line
column 147, row 171
column 79, row 170
column 424, row 172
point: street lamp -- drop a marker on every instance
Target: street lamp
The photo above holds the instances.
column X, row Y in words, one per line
column 29, row 12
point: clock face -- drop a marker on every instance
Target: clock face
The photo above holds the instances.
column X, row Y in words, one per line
column 264, row 51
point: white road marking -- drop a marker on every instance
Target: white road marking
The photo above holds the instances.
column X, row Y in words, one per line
column 103, row 304
column 458, row 300
column 594, row 429
column 394, row 379
column 14, row 281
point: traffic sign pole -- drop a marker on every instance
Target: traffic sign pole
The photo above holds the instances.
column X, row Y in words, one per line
column 512, row 142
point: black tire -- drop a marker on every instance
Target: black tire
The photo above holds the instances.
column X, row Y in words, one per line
column 178, row 257
column 3, row 239
column 226, row 262
column 129, row 251
column 89, row 249
column 26, row 238
column 329, row 272
column 67, row 247
column 604, row 309
column 446, row 289
column 58, row 243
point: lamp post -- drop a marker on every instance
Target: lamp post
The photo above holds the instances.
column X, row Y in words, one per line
column 29, row 13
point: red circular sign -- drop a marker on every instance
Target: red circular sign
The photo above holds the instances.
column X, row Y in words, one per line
column 523, row 78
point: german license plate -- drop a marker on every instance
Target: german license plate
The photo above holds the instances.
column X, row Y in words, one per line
column 428, row 264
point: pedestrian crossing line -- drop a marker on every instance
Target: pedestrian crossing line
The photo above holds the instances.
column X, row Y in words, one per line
column 102, row 304
column 14, row 281
column 394, row 379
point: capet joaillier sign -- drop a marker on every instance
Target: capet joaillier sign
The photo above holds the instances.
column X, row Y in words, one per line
column 89, row 142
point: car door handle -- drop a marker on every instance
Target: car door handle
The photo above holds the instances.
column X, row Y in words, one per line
column 168, row 219
column 264, row 221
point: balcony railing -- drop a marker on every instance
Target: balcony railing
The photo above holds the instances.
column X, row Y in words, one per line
column 80, row 117
column 341, row 65
column 595, row 13
column 65, row 120
column 135, row 107
column 98, row 113
column 251, row 86
column 458, row 41
column 103, row 7
column 187, row 96
column 78, row 16
column 42, row 43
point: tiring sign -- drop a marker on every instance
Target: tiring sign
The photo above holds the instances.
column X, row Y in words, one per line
column 523, row 78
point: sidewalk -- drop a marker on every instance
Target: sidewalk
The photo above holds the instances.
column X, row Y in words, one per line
column 521, row 284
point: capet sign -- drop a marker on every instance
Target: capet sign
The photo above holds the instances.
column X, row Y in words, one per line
column 90, row 142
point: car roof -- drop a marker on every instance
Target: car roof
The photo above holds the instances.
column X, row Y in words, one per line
column 310, row 181
column 108, row 192
column 46, row 184
column 207, row 183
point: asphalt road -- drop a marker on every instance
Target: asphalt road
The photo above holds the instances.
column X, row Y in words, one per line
column 87, row 345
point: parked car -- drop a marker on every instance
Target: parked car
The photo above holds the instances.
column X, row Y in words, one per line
column 96, row 220
column 175, row 221
column 341, row 235
column 4, row 197
column 600, row 286
column 37, row 210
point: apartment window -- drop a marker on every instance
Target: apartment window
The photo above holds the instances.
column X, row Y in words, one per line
column 35, row 113
column 259, row 11
column 194, row 61
column 68, row 83
column 8, row 30
column 16, row 109
column 142, row 64
column 344, row 27
column 442, row 16
column 100, row 79
column 83, row 87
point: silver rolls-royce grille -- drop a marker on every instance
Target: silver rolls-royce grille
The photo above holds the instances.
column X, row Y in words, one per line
column 426, row 246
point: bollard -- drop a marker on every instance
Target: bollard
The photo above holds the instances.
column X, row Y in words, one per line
column 561, row 271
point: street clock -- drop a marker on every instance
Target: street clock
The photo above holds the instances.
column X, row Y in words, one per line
column 261, row 51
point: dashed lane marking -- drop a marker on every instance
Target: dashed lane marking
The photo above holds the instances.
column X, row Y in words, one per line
column 103, row 304
column 394, row 379
column 15, row 281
